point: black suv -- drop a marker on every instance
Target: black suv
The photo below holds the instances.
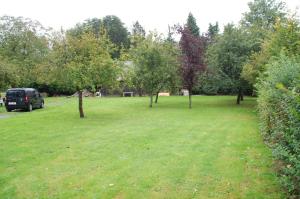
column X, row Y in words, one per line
column 23, row 98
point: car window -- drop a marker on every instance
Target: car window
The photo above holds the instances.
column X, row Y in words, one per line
column 15, row 94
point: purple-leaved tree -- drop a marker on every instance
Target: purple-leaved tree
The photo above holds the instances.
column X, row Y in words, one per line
column 192, row 59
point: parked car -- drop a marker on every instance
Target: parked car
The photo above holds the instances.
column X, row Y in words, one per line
column 23, row 98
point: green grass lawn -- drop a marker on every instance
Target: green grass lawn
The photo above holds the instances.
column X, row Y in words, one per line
column 123, row 149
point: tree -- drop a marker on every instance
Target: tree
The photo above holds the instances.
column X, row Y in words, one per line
column 8, row 75
column 84, row 63
column 138, row 34
column 116, row 32
column 192, row 25
column 148, row 62
column 227, row 54
column 171, row 32
column 111, row 26
column 260, row 21
column 92, row 25
column 284, row 38
column 258, row 24
column 137, row 29
column 192, row 59
column 263, row 14
column 169, row 72
column 24, row 44
column 212, row 32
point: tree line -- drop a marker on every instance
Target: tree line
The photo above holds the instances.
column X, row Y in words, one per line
column 101, row 54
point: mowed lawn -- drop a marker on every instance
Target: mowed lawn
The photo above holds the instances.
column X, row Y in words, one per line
column 123, row 149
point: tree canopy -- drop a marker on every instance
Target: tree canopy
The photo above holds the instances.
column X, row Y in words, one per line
column 192, row 25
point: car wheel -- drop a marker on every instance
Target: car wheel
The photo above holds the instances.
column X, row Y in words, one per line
column 29, row 108
column 42, row 105
column 8, row 110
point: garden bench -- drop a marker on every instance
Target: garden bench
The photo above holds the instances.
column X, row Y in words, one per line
column 127, row 94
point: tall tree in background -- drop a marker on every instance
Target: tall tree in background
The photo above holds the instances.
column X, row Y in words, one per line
column 263, row 14
column 209, row 37
column 261, row 19
column 110, row 25
column 171, row 32
column 258, row 24
column 137, row 34
column 212, row 32
column 192, row 25
column 192, row 60
column 92, row 25
column 117, row 33
column 138, row 29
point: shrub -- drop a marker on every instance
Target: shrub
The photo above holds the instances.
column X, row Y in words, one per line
column 279, row 110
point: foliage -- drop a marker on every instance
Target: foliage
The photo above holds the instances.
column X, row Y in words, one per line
column 155, row 65
column 211, row 82
column 83, row 63
column 117, row 33
column 192, row 25
column 93, row 25
column 264, row 13
column 286, row 37
column 171, row 78
column 261, row 18
column 24, row 44
column 278, row 103
column 227, row 55
column 212, row 32
column 111, row 26
column 138, row 34
column 8, row 75
column 260, row 23
column 148, row 62
column 138, row 29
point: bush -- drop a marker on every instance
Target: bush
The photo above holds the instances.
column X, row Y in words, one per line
column 279, row 110
column 214, row 83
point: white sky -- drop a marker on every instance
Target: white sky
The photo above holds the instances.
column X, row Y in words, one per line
column 152, row 14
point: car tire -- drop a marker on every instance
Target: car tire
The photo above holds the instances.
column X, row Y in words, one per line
column 42, row 105
column 29, row 109
column 8, row 110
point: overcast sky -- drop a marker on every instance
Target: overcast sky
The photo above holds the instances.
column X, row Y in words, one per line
column 152, row 14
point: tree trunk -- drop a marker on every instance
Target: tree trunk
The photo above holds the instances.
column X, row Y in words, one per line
column 80, row 104
column 151, row 100
column 140, row 92
column 190, row 100
column 156, row 98
column 242, row 96
column 238, row 100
